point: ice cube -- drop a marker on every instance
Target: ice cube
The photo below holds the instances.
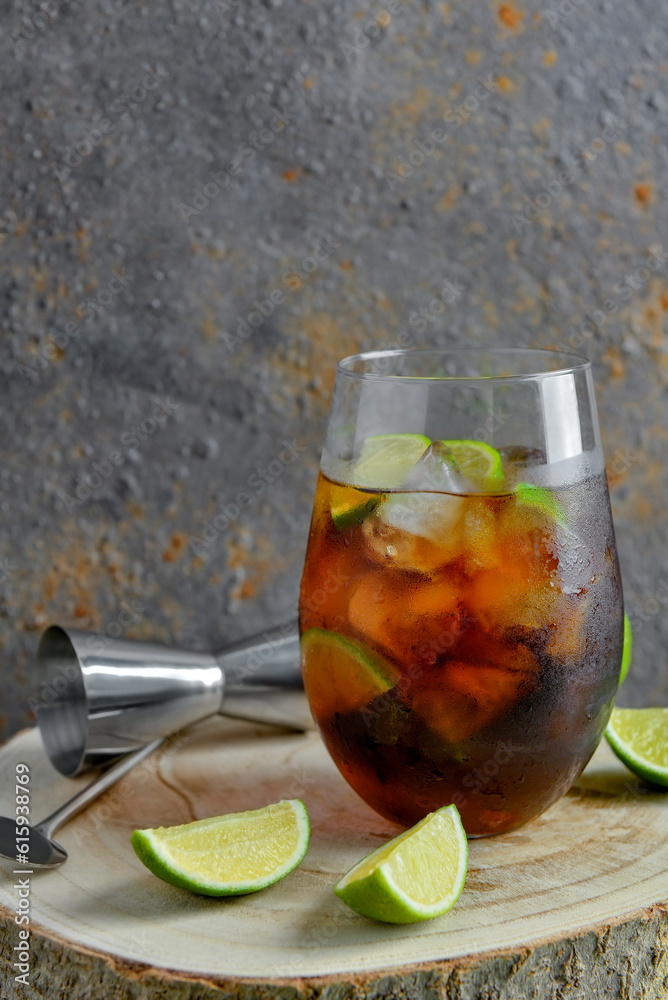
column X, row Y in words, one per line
column 416, row 531
column 419, row 526
column 473, row 694
column 437, row 471
column 413, row 621
column 429, row 515
column 482, row 546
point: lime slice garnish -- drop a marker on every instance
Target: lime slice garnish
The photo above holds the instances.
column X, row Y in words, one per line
column 541, row 499
column 228, row 855
column 627, row 652
column 347, row 515
column 639, row 737
column 386, row 459
column 478, row 461
column 340, row 676
column 418, row 875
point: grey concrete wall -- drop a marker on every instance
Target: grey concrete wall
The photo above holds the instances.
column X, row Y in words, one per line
column 166, row 165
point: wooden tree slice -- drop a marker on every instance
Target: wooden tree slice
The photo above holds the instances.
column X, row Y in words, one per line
column 569, row 906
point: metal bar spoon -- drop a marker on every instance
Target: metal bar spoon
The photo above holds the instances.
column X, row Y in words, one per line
column 43, row 851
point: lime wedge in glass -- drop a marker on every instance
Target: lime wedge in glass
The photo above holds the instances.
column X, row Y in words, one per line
column 386, row 459
column 541, row 499
column 418, row 875
column 347, row 514
column 628, row 649
column 478, row 461
column 639, row 737
column 228, row 855
column 339, row 676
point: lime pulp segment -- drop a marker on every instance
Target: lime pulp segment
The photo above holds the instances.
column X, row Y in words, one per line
column 418, row 875
column 347, row 516
column 478, row 461
column 228, row 855
column 386, row 459
column 340, row 672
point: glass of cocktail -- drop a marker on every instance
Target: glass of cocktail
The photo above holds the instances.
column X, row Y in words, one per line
column 461, row 609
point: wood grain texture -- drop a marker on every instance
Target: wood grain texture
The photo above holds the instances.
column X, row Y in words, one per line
column 570, row 906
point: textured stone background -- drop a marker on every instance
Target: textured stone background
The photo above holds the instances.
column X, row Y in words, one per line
column 100, row 171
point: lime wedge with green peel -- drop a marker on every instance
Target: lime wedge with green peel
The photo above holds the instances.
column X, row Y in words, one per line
column 541, row 499
column 478, row 461
column 639, row 737
column 228, row 855
column 386, row 459
column 628, row 649
column 347, row 515
column 418, row 875
column 339, row 675
column 350, row 506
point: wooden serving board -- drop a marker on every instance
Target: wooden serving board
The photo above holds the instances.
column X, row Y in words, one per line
column 571, row 905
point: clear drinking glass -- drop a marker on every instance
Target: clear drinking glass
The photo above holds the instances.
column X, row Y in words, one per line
column 461, row 608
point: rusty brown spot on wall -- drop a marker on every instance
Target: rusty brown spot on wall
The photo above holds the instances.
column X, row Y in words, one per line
column 614, row 478
column 613, row 358
column 643, row 193
column 174, row 550
column 449, row 199
column 208, row 328
column 85, row 239
column 38, row 279
column 510, row 16
column 303, row 371
column 243, row 591
column 254, row 562
column 58, row 352
column 505, row 84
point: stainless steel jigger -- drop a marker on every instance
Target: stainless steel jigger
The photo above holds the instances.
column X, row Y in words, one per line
column 97, row 704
